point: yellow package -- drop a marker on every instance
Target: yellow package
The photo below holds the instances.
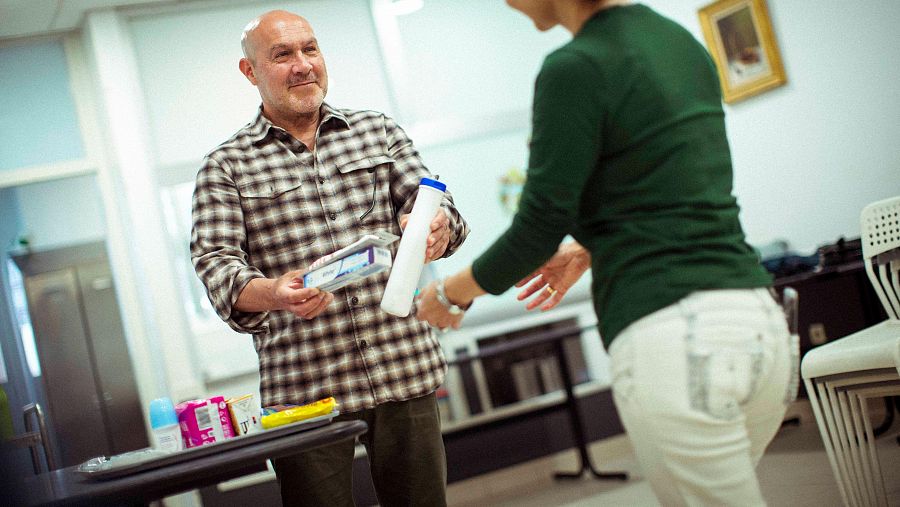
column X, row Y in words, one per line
column 301, row 413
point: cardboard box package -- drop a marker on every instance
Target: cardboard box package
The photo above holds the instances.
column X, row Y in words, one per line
column 204, row 421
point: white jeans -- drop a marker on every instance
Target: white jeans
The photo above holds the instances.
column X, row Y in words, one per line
column 701, row 387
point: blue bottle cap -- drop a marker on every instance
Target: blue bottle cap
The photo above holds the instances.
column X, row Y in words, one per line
column 162, row 413
column 428, row 182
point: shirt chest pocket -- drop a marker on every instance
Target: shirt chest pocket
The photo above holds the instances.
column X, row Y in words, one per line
column 367, row 185
column 279, row 213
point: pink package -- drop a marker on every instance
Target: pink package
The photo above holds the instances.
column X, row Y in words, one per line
column 204, row 421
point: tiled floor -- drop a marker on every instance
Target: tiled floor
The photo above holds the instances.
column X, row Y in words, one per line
column 794, row 472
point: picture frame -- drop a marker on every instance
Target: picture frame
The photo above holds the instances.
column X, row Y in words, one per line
column 742, row 44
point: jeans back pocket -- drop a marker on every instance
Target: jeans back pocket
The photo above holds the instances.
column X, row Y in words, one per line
column 724, row 369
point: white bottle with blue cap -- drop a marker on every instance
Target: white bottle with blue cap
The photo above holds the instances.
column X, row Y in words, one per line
column 410, row 259
column 164, row 422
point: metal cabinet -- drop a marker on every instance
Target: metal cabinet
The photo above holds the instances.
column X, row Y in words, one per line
column 86, row 369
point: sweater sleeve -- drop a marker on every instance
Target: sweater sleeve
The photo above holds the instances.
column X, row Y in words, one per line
column 565, row 145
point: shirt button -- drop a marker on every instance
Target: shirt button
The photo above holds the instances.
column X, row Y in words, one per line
column 354, row 300
column 363, row 344
column 333, row 216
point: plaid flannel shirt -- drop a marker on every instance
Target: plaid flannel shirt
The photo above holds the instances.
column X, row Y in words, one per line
column 264, row 205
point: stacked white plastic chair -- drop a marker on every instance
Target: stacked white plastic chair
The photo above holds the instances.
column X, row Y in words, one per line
column 842, row 376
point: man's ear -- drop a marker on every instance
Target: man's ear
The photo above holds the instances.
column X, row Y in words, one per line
column 247, row 70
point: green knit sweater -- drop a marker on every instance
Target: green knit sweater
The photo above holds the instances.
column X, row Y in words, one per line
column 629, row 155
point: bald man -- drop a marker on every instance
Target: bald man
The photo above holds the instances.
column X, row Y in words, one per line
column 300, row 181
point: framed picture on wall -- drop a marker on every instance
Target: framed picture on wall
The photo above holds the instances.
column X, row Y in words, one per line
column 740, row 38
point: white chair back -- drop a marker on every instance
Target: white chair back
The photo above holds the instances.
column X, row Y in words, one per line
column 880, row 234
column 843, row 376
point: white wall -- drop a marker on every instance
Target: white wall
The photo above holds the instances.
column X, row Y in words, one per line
column 809, row 155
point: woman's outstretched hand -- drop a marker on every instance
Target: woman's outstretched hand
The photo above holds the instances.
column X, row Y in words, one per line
column 552, row 280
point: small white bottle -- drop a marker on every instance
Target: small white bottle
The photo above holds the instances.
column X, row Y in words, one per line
column 164, row 422
column 410, row 259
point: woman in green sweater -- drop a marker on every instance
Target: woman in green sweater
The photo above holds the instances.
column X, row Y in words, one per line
column 629, row 156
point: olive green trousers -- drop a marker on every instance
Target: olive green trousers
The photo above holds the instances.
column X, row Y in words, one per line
column 406, row 456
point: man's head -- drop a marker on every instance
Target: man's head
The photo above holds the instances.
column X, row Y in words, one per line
column 282, row 59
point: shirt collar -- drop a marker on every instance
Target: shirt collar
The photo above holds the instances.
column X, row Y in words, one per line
column 260, row 127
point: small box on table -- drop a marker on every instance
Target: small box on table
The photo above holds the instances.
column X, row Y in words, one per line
column 204, row 421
